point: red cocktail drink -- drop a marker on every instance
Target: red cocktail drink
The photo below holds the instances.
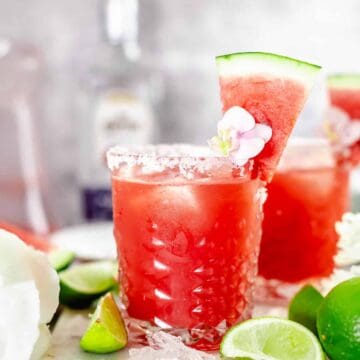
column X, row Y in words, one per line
column 308, row 194
column 344, row 95
column 188, row 228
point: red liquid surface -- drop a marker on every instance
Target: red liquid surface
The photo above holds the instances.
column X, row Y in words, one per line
column 299, row 239
column 188, row 252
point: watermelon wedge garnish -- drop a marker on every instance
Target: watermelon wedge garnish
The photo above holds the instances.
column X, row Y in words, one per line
column 36, row 241
column 273, row 89
column 344, row 94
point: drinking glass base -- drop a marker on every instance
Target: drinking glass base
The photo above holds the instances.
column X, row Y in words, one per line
column 200, row 337
column 278, row 293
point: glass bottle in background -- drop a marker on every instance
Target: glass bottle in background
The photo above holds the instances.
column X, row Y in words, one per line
column 22, row 187
column 116, row 104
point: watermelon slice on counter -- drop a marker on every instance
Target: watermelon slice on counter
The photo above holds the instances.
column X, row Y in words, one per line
column 36, row 241
column 344, row 93
column 273, row 88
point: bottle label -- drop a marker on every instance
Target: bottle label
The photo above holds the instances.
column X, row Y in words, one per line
column 97, row 204
column 120, row 119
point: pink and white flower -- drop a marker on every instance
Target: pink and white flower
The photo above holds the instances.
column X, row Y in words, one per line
column 341, row 130
column 239, row 136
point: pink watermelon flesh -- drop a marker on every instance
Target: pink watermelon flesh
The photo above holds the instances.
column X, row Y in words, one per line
column 273, row 101
column 349, row 101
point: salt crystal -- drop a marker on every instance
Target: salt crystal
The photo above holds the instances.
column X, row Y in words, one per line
column 164, row 346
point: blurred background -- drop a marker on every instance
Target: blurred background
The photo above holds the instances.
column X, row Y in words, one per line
column 77, row 76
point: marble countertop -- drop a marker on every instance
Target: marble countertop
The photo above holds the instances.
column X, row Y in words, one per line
column 66, row 337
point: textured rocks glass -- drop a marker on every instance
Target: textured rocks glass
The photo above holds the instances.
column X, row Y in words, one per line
column 188, row 228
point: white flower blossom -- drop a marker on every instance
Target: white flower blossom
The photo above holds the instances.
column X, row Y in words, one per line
column 341, row 130
column 348, row 230
column 29, row 293
column 239, row 136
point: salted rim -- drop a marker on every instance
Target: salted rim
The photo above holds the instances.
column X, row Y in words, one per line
column 158, row 158
column 176, row 154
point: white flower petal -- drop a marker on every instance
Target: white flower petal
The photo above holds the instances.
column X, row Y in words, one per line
column 19, row 320
column 344, row 130
column 336, row 116
column 351, row 133
column 237, row 160
column 249, row 148
column 23, row 263
column 349, row 239
column 260, row 130
column 237, row 118
column 42, row 343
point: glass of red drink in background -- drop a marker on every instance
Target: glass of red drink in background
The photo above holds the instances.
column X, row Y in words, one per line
column 188, row 229
column 308, row 194
column 344, row 95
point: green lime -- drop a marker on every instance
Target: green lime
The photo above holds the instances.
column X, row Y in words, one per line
column 82, row 284
column 271, row 339
column 107, row 331
column 61, row 259
column 304, row 306
column 338, row 321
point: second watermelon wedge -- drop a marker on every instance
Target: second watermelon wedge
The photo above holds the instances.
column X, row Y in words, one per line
column 273, row 88
column 344, row 94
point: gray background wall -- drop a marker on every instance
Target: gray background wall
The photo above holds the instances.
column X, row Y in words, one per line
column 179, row 38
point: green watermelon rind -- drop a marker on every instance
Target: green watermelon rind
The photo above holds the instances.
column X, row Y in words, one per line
column 258, row 63
column 344, row 81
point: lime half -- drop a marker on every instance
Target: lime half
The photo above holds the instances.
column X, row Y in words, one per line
column 271, row 339
column 106, row 332
column 61, row 259
column 304, row 306
column 82, row 284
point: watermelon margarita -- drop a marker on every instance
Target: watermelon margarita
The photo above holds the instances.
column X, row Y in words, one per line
column 344, row 94
column 188, row 229
column 188, row 223
column 308, row 194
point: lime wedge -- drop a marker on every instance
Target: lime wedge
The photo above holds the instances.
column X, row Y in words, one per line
column 82, row 284
column 304, row 306
column 271, row 339
column 106, row 332
column 61, row 259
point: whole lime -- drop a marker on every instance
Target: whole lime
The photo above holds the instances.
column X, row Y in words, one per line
column 338, row 321
column 304, row 306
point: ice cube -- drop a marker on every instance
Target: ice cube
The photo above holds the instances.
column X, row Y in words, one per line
column 164, row 346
